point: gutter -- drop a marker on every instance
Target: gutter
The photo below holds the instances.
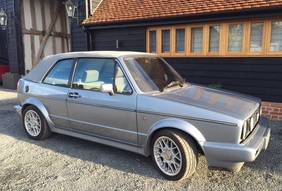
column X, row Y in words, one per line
column 195, row 18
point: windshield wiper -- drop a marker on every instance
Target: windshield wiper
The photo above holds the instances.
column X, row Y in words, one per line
column 174, row 83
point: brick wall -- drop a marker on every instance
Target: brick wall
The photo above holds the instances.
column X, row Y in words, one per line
column 272, row 110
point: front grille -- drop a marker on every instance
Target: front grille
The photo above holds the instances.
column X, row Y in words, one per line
column 250, row 124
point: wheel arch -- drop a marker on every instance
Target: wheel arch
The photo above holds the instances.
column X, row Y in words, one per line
column 178, row 125
column 36, row 103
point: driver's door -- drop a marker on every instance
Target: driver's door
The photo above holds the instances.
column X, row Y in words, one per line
column 102, row 114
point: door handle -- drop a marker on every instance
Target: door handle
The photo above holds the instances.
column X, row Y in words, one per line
column 74, row 95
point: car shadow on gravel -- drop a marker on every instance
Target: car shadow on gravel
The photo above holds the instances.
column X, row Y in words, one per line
column 127, row 161
column 81, row 149
column 119, row 159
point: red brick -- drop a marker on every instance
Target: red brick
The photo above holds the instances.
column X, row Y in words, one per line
column 272, row 110
column 269, row 109
column 276, row 110
column 279, row 105
column 275, row 113
column 266, row 103
column 265, row 112
column 274, row 117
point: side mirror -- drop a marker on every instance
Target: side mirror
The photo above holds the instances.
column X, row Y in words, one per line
column 107, row 88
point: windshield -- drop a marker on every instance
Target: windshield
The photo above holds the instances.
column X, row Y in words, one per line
column 152, row 73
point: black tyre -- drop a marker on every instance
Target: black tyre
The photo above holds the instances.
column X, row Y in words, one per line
column 174, row 154
column 35, row 124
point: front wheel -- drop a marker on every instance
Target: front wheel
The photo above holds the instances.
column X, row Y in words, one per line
column 174, row 153
column 35, row 124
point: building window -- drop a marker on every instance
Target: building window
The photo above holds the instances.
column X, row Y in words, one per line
column 165, row 41
column 197, row 39
column 225, row 39
column 235, row 38
column 180, row 40
column 256, row 37
column 214, row 37
column 153, row 41
column 276, row 37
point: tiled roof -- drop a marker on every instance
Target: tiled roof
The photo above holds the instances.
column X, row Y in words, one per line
column 124, row 10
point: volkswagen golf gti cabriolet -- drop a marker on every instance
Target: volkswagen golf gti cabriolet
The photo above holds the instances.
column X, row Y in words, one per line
column 138, row 102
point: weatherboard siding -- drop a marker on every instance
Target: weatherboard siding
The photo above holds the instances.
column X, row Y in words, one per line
column 78, row 35
column 260, row 77
column 132, row 39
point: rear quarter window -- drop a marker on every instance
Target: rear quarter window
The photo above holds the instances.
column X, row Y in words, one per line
column 59, row 75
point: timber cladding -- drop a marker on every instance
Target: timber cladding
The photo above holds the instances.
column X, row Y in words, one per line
column 44, row 30
column 132, row 39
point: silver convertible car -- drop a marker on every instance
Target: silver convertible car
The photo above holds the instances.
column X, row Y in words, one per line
column 138, row 102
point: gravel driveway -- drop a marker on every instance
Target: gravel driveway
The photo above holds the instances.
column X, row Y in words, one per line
column 66, row 163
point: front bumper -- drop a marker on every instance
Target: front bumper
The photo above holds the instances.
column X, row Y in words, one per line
column 233, row 156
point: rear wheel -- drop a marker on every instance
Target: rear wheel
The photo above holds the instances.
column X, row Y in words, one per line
column 35, row 123
column 174, row 153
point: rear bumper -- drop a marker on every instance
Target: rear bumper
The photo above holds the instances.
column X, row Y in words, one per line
column 233, row 156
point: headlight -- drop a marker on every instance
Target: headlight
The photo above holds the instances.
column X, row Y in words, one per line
column 244, row 130
column 250, row 124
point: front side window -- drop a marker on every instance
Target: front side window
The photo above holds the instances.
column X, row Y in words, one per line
column 235, row 38
column 91, row 73
column 197, row 39
column 60, row 73
column 165, row 41
column 256, row 37
column 214, row 38
column 121, row 84
column 276, row 36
